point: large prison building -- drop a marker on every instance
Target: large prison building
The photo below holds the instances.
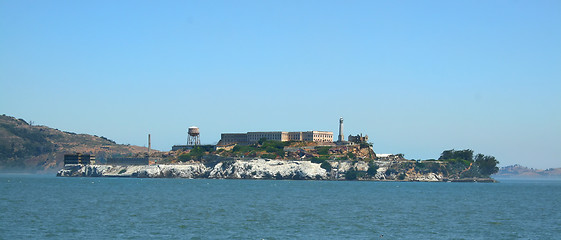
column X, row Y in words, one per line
column 253, row 137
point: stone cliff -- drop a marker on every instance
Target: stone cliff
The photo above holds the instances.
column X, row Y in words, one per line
column 243, row 169
column 239, row 169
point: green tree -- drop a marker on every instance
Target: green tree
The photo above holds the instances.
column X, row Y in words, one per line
column 452, row 154
column 184, row 157
column 372, row 169
column 196, row 153
column 390, row 171
column 351, row 175
column 326, row 165
column 487, row 164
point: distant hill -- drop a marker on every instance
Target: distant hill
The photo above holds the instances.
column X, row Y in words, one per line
column 39, row 148
column 517, row 171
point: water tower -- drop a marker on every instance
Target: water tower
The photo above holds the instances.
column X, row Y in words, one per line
column 194, row 137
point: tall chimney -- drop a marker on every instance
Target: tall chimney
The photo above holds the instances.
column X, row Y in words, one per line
column 341, row 136
column 149, row 144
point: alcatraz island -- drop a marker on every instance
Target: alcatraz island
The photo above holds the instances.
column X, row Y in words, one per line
column 308, row 155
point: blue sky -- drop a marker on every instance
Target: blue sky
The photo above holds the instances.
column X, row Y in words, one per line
column 418, row 77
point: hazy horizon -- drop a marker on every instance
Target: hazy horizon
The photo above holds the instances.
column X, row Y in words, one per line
column 417, row 77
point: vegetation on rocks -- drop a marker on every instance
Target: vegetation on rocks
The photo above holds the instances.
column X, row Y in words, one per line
column 196, row 153
column 353, row 174
column 326, row 165
column 452, row 164
column 263, row 148
column 372, row 169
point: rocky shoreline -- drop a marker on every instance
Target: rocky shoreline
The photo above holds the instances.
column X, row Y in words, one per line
column 248, row 169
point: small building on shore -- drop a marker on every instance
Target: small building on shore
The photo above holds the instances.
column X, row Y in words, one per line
column 358, row 138
column 207, row 147
column 128, row 161
column 182, row 147
column 79, row 158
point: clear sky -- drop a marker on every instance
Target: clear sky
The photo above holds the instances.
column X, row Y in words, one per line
column 418, row 77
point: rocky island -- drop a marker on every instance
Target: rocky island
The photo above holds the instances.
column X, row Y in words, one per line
column 34, row 148
column 322, row 167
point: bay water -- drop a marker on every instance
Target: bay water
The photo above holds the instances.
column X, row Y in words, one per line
column 48, row 207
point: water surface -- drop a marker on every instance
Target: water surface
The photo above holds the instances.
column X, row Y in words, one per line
column 47, row 207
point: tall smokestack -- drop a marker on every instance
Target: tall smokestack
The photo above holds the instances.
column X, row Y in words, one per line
column 341, row 136
column 149, row 144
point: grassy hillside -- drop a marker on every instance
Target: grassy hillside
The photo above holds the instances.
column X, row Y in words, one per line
column 517, row 171
column 27, row 147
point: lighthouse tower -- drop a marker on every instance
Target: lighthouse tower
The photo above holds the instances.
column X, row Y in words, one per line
column 341, row 136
